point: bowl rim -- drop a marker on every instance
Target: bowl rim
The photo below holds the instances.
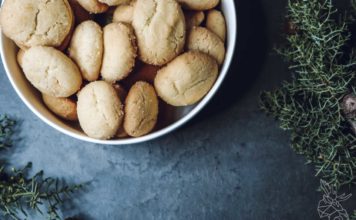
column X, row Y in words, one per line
column 160, row 133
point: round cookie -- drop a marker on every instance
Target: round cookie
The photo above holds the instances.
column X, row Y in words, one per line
column 114, row 2
column 201, row 39
column 93, row 6
column 193, row 18
column 123, row 13
column 215, row 22
column 187, row 79
column 51, row 71
column 87, row 48
column 199, row 4
column 99, row 110
column 62, row 107
column 141, row 109
column 36, row 22
column 160, row 30
column 119, row 52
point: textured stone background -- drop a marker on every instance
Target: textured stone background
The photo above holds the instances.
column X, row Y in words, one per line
column 231, row 162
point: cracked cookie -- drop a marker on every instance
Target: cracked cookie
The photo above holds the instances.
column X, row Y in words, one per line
column 65, row 108
column 160, row 30
column 99, row 110
column 187, row 79
column 141, row 109
column 201, row 39
column 215, row 22
column 36, row 22
column 55, row 75
column 86, row 49
column 120, row 52
column 199, row 4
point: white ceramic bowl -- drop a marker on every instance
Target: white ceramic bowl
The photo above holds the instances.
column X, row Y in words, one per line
column 33, row 100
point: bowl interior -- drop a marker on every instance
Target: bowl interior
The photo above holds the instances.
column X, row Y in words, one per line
column 172, row 119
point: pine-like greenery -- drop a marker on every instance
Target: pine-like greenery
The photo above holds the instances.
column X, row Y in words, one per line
column 323, row 66
column 20, row 193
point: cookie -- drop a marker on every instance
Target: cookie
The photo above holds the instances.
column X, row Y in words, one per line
column 114, row 2
column 62, row 107
column 187, row 79
column 215, row 22
column 199, row 4
column 201, row 39
column 141, row 109
column 193, row 18
column 123, row 13
column 51, row 71
column 99, row 110
column 86, row 49
column 36, row 22
column 93, row 6
column 160, row 30
column 119, row 52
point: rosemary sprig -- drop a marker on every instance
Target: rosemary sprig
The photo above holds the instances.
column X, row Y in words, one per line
column 20, row 193
column 323, row 69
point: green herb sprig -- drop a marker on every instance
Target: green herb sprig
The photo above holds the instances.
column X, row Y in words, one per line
column 20, row 193
column 323, row 73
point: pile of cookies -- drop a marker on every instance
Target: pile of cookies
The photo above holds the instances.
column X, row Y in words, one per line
column 109, row 63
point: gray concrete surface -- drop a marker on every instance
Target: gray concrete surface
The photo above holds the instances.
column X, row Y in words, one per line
column 231, row 162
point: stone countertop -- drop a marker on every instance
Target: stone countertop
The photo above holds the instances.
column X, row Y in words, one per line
column 230, row 162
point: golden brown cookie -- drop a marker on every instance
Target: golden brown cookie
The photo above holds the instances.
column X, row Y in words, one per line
column 201, row 39
column 187, row 79
column 200, row 5
column 62, row 107
column 193, row 18
column 93, row 6
column 141, row 110
column 119, row 52
column 114, row 2
column 123, row 13
column 51, row 71
column 215, row 22
column 36, row 22
column 99, row 110
column 86, row 49
column 160, row 30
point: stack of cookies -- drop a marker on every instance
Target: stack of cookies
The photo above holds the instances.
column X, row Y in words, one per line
column 111, row 76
